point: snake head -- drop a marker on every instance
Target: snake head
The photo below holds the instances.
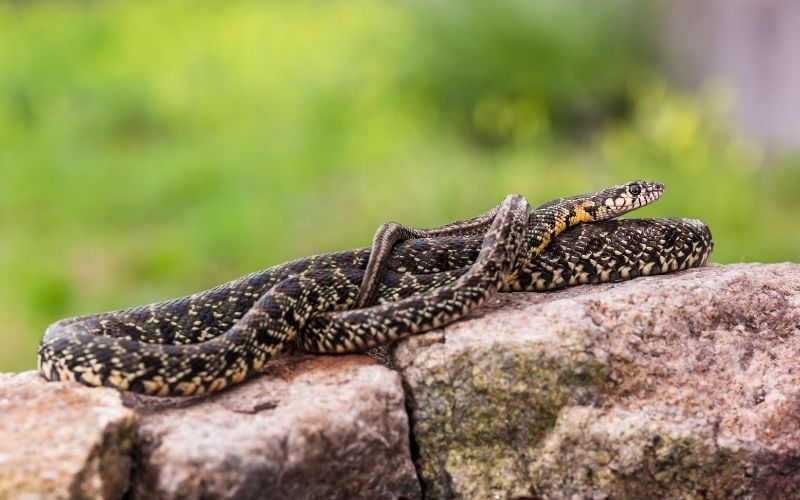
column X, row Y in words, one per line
column 617, row 200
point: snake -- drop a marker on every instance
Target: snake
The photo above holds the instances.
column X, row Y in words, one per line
column 408, row 282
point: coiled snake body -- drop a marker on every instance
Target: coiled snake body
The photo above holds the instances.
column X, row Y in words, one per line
column 420, row 280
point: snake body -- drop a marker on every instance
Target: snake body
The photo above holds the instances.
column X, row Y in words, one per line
column 207, row 341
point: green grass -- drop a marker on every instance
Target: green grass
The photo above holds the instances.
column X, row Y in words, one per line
column 148, row 150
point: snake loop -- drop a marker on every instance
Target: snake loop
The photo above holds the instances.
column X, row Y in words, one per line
column 207, row 341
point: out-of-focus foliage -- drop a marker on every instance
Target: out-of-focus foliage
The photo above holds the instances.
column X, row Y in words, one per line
column 507, row 71
column 148, row 149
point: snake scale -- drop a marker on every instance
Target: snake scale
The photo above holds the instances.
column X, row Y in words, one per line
column 417, row 279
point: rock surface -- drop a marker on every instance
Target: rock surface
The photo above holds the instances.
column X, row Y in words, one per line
column 682, row 385
column 325, row 427
column 62, row 440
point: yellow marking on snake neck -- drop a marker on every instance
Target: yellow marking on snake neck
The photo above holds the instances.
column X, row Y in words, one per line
column 581, row 215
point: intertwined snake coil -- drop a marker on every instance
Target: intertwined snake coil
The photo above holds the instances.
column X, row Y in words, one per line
column 420, row 279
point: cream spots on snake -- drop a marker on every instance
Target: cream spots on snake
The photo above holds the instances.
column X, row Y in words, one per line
column 163, row 322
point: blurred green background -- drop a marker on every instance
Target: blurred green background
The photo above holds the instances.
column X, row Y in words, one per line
column 149, row 150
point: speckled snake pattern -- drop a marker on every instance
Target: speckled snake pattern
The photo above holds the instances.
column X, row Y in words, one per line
column 409, row 282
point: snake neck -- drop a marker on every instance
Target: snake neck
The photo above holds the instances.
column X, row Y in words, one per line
column 544, row 227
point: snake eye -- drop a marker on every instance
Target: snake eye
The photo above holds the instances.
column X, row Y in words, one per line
column 634, row 189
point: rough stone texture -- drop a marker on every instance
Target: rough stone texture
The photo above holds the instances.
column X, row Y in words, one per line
column 319, row 427
column 62, row 440
column 681, row 385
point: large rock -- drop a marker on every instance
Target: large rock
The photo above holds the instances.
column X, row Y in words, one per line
column 321, row 427
column 313, row 427
column 62, row 440
column 681, row 385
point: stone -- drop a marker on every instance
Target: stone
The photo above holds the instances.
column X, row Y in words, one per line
column 313, row 427
column 680, row 385
column 62, row 440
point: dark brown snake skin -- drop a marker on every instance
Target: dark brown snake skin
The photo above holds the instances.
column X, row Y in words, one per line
column 207, row 341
